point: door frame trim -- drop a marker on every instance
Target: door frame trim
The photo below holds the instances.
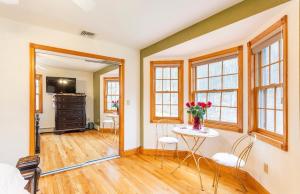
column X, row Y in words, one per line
column 32, row 48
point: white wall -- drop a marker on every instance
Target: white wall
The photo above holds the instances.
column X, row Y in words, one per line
column 114, row 73
column 14, row 82
column 284, row 167
column 84, row 84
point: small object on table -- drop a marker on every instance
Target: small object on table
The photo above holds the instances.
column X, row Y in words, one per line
column 196, row 135
column 198, row 110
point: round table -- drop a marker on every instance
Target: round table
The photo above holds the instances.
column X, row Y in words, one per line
column 198, row 137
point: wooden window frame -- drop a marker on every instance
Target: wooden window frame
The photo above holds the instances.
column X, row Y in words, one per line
column 105, row 82
column 236, row 127
column 167, row 63
column 40, row 78
column 277, row 140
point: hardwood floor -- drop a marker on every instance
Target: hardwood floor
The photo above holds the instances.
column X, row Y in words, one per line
column 135, row 174
column 59, row 151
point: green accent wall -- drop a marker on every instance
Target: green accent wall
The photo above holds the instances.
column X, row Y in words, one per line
column 228, row 16
column 96, row 90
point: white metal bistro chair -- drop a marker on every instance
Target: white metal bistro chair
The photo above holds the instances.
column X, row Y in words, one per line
column 237, row 159
column 163, row 139
column 107, row 122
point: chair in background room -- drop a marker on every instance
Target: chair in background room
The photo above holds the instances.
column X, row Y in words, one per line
column 237, row 159
column 163, row 139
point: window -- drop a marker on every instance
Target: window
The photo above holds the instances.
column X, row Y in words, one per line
column 38, row 93
column 217, row 77
column 268, row 84
column 166, row 96
column 111, row 93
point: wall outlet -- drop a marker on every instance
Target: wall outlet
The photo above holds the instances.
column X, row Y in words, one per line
column 266, row 168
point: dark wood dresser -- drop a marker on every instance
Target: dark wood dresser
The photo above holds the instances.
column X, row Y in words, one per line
column 69, row 112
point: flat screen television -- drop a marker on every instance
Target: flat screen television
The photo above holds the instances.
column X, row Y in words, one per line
column 60, row 85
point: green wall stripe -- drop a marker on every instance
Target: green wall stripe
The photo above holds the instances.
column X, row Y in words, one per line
column 228, row 16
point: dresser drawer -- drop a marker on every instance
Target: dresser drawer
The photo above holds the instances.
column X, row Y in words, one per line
column 70, row 99
column 70, row 106
column 66, row 126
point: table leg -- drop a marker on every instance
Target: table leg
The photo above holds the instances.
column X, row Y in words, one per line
column 192, row 152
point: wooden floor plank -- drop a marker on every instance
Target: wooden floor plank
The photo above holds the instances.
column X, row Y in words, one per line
column 136, row 174
column 58, row 151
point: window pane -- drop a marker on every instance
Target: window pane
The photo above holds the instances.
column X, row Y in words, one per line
column 166, row 110
column 270, row 98
column 202, row 84
column 261, row 118
column 166, row 73
column 275, row 52
column 158, row 110
column 117, row 88
column 174, row 73
column 279, row 122
column 229, row 115
column 109, row 99
column 174, row 98
column 270, row 120
column 274, row 73
column 166, row 85
column 229, row 99
column 281, row 49
column 215, row 98
column 230, row 82
column 202, row 71
column 174, row 111
column 230, row 66
column 37, row 102
column 158, row 98
column 109, row 106
column 265, row 56
column 166, row 99
column 261, row 99
column 265, row 76
column 158, row 85
column 213, row 113
column 201, row 97
column 158, row 73
column 281, row 72
column 174, row 85
column 279, row 98
column 215, row 68
column 109, row 88
column 215, row 83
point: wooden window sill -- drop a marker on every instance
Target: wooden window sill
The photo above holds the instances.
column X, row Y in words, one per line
column 222, row 126
column 167, row 120
column 276, row 143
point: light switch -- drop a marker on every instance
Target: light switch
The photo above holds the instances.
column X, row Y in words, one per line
column 128, row 102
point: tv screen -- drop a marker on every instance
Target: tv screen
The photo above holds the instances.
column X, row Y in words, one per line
column 60, row 85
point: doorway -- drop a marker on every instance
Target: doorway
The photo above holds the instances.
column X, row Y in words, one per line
column 60, row 88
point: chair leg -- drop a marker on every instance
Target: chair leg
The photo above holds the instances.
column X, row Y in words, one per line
column 244, row 189
column 215, row 175
column 217, row 179
column 177, row 155
column 156, row 151
column 162, row 155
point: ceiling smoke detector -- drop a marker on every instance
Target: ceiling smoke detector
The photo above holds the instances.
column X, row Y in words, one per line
column 87, row 34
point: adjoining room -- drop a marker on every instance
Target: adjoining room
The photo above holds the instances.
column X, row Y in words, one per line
column 70, row 129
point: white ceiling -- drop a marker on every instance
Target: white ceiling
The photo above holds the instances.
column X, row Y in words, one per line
column 242, row 30
column 46, row 59
column 135, row 23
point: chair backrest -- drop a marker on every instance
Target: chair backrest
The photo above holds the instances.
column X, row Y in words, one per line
column 242, row 148
column 162, row 128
